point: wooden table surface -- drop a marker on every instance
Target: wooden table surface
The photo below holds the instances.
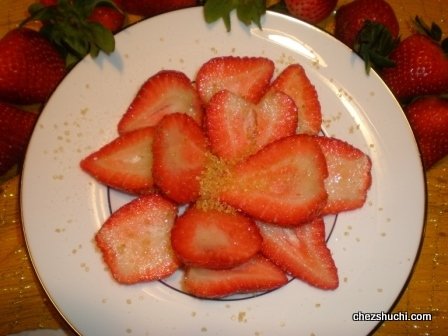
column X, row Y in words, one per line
column 25, row 306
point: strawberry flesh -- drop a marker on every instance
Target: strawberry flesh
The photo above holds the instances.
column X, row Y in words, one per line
column 302, row 252
column 166, row 92
column 256, row 275
column 294, row 81
column 247, row 77
column 283, row 183
column 349, row 175
column 214, row 239
column 124, row 163
column 179, row 153
column 135, row 240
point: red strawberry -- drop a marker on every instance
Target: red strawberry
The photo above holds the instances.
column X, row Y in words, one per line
column 302, row 252
column 312, row 11
column 237, row 128
column 16, row 127
column 351, row 17
column 135, row 240
column 108, row 16
column 30, row 67
column 295, row 83
column 166, row 92
column 256, row 275
column 349, row 175
column 214, row 239
column 150, row 7
column 428, row 117
column 247, row 77
column 421, row 68
column 179, row 152
column 283, row 183
column 124, row 163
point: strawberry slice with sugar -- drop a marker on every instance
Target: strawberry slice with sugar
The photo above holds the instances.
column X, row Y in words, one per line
column 238, row 128
column 256, row 275
column 302, row 252
column 168, row 91
column 231, row 126
column 247, row 77
column 179, row 152
column 349, row 175
column 294, row 81
column 125, row 163
column 135, row 240
column 276, row 117
column 283, row 183
column 214, row 239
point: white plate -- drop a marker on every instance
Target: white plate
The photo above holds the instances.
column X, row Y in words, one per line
column 62, row 207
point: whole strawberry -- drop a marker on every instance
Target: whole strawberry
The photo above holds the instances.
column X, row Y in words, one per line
column 421, row 68
column 149, row 8
column 312, row 11
column 428, row 117
column 350, row 19
column 30, row 67
column 16, row 126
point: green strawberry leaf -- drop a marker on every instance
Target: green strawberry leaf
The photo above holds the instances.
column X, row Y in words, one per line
column 248, row 11
column 67, row 25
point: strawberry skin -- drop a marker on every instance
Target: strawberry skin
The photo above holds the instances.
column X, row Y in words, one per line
column 30, row 67
column 179, row 153
column 108, row 16
column 135, row 240
column 302, row 252
column 149, row 8
column 16, row 126
column 350, row 19
column 256, row 275
column 214, row 239
column 247, row 77
column 283, row 183
column 312, row 11
column 428, row 117
column 125, row 163
column 421, row 68
column 295, row 83
column 166, row 92
column 349, row 175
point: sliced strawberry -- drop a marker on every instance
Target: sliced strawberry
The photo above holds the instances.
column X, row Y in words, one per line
column 276, row 117
column 238, row 128
column 135, row 240
column 214, row 239
column 302, row 252
column 179, row 152
column 247, row 77
column 16, row 126
column 256, row 275
column 349, row 175
column 231, row 126
column 283, row 183
column 166, row 92
column 124, row 163
column 294, row 81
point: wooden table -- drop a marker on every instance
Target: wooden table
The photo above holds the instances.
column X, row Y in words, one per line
column 24, row 305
